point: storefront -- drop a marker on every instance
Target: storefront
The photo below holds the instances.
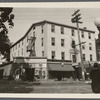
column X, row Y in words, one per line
column 60, row 70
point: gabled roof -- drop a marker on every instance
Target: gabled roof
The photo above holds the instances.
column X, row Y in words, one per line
column 50, row 22
column 27, row 32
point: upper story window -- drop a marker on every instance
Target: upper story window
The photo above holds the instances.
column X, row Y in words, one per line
column 53, row 41
column 63, row 55
column 42, row 53
column 53, row 54
column 74, row 58
column 89, row 35
column 41, row 41
column 52, row 28
column 19, row 44
column 27, row 38
column 22, row 51
column 18, row 53
column 83, row 57
column 34, row 28
column 83, row 47
column 26, row 48
column 62, row 30
column 62, row 42
column 34, row 34
column 73, row 44
column 91, row 58
column 82, row 34
column 90, row 46
column 42, row 29
column 73, row 32
column 16, row 46
column 22, row 42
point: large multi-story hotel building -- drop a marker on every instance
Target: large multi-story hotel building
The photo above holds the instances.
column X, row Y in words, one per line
column 54, row 41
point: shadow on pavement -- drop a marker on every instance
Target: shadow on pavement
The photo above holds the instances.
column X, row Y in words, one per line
column 16, row 86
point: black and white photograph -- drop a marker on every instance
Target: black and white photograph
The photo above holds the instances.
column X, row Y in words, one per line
column 50, row 48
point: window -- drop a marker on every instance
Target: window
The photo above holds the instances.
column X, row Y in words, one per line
column 42, row 29
column 62, row 30
column 19, row 44
column 62, row 42
column 18, row 53
column 74, row 58
column 89, row 35
column 27, row 49
column 16, row 46
column 22, row 51
column 42, row 53
column 73, row 44
column 41, row 41
column 90, row 46
column 83, row 47
column 62, row 55
column 34, row 28
column 83, row 57
column 22, row 42
column 34, row 34
column 52, row 28
column 73, row 32
column 82, row 34
column 53, row 41
column 53, row 55
column 91, row 57
column 27, row 38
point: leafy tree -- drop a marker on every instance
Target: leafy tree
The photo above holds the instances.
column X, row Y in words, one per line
column 6, row 16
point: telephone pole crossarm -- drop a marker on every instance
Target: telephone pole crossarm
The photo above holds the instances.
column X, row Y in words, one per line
column 80, row 43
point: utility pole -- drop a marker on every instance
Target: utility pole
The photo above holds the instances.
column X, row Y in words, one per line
column 76, row 19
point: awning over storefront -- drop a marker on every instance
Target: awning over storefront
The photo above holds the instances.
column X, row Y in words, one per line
column 60, row 67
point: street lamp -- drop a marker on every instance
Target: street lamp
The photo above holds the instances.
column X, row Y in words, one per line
column 97, row 23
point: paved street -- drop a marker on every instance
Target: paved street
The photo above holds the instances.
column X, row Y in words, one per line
column 68, row 86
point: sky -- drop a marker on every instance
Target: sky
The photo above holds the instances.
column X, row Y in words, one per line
column 25, row 17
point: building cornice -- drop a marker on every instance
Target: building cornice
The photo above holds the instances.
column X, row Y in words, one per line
column 72, row 27
column 30, row 57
